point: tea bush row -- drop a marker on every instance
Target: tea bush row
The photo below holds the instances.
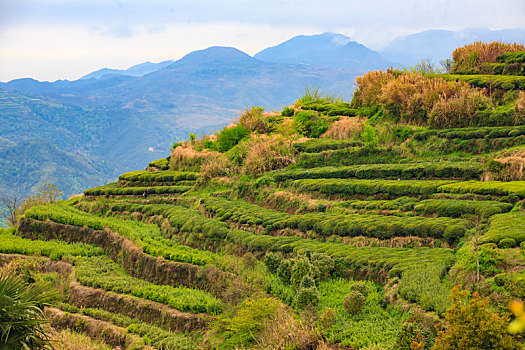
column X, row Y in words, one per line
column 457, row 208
column 158, row 337
column 319, row 145
column 350, row 156
column 102, row 272
column 111, row 189
column 472, row 133
column 158, row 176
column 507, row 230
column 327, row 224
column 459, row 170
column 148, row 236
column 492, row 82
column 351, row 187
column 495, row 188
column 56, row 250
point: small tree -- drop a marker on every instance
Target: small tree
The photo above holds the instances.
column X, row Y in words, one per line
column 369, row 136
column 472, row 325
column 11, row 202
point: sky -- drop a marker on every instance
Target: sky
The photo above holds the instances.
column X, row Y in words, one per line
column 66, row 39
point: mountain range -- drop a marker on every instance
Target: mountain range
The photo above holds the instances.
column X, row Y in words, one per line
column 81, row 133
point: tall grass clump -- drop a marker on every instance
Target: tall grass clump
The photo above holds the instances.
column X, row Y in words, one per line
column 411, row 98
column 468, row 59
column 186, row 158
column 346, row 128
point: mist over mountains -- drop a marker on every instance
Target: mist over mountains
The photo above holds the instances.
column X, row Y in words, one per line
column 82, row 133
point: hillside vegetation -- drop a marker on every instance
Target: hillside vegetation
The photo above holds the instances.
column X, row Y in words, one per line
column 394, row 221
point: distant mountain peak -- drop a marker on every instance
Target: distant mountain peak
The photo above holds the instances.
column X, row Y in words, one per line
column 325, row 50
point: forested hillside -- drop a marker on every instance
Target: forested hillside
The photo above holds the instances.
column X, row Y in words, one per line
column 393, row 221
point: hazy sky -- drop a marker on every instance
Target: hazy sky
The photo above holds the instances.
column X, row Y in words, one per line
column 65, row 39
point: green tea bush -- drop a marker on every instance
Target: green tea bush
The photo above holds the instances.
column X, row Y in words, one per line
column 492, row 82
column 162, row 164
column 354, row 302
column 472, row 133
column 306, row 296
column 507, row 243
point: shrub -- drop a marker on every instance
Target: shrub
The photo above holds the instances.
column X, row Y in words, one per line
column 229, row 137
column 186, row 158
column 369, row 136
column 323, row 264
column 453, row 233
column 328, row 318
column 285, row 270
column 306, row 296
column 301, row 268
column 472, row 325
column 310, row 124
column 254, row 120
column 216, row 167
column 354, row 302
column 360, row 287
column 248, row 319
column 272, row 261
column 287, row 112
column 413, row 336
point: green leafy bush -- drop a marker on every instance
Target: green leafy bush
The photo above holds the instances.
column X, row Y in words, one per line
column 229, row 137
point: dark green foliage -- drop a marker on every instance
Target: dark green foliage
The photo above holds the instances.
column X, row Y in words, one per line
column 229, row 137
column 507, row 243
column 319, row 145
column 323, row 265
column 306, row 296
column 302, row 267
column 22, row 314
column 330, row 107
column 287, row 112
column 310, row 124
column 354, row 302
column 272, row 261
column 284, row 271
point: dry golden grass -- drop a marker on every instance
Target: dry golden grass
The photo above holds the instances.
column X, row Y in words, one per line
column 217, row 167
column 469, row 58
column 520, row 104
column 68, row 340
column 513, row 163
column 185, row 157
column 345, row 128
column 265, row 153
column 283, row 331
